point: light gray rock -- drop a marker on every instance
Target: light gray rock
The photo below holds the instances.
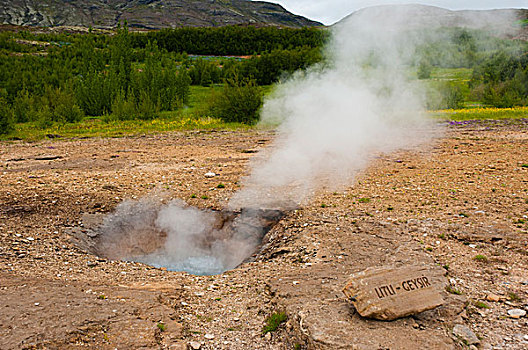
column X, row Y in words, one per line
column 195, row 345
column 388, row 293
column 516, row 313
column 465, row 334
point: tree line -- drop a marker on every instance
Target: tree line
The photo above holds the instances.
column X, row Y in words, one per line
column 232, row 40
column 47, row 78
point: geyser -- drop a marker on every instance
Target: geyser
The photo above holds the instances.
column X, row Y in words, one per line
column 181, row 238
column 332, row 119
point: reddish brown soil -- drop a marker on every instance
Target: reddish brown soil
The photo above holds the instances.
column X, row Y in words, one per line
column 467, row 196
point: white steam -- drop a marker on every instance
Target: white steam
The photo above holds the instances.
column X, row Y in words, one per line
column 335, row 119
column 332, row 120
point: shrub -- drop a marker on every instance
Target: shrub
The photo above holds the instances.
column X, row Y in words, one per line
column 146, row 107
column 24, row 107
column 239, row 101
column 61, row 105
column 446, row 95
column 6, row 117
column 123, row 108
column 424, row 70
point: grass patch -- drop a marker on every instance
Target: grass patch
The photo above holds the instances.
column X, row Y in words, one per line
column 481, row 305
column 480, row 113
column 453, row 290
column 514, row 296
column 274, row 321
column 161, row 326
column 96, row 127
column 480, row 258
column 449, row 74
column 364, row 200
column 220, row 186
column 195, row 115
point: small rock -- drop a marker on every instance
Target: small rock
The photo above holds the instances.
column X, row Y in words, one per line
column 209, row 336
column 473, row 347
column 526, row 337
column 516, row 313
column 267, row 336
column 487, row 346
column 210, row 174
column 195, row 345
column 465, row 334
column 492, row 297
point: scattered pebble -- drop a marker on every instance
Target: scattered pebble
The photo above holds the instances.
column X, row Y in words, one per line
column 492, row 297
column 37, row 304
column 516, row 313
column 209, row 336
column 195, row 345
column 210, row 175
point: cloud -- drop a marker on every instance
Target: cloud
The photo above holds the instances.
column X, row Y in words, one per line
column 330, row 11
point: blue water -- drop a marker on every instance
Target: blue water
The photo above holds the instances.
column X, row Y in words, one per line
column 195, row 265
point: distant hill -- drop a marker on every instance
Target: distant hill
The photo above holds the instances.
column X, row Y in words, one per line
column 148, row 14
column 501, row 21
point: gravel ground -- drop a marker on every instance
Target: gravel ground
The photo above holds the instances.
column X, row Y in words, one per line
column 462, row 204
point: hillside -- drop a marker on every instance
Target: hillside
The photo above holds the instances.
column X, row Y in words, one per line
column 147, row 14
column 500, row 21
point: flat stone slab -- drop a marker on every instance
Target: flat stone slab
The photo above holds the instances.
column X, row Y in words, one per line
column 388, row 293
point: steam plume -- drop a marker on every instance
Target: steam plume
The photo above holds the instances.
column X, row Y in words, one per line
column 332, row 119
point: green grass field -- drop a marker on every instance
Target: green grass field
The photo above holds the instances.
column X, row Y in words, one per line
column 195, row 115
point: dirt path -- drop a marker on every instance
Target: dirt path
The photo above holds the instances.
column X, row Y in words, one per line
column 466, row 198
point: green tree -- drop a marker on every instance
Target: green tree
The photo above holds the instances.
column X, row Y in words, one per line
column 239, row 101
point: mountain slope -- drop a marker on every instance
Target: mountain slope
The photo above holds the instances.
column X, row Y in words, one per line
column 148, row 14
column 500, row 21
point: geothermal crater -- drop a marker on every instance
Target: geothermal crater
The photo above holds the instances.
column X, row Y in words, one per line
column 176, row 237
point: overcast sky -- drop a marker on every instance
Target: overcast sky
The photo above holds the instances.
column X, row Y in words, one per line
column 330, row 11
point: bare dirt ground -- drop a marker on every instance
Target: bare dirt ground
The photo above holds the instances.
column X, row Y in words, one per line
column 466, row 197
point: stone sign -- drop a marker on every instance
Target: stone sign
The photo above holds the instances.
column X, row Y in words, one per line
column 388, row 293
